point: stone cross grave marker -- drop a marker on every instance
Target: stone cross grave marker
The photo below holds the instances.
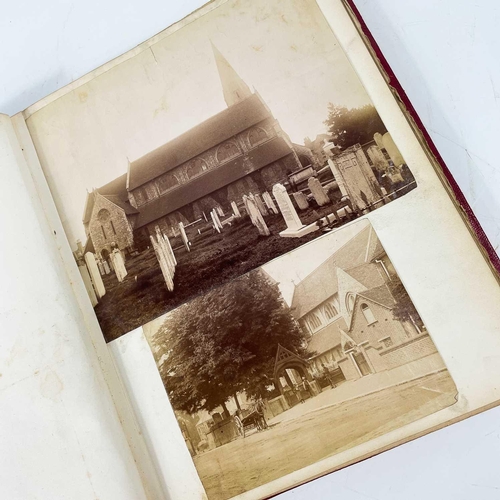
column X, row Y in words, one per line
column 287, row 209
column 95, row 275
column 257, row 218
column 318, row 192
column 301, row 200
column 184, row 237
column 269, row 202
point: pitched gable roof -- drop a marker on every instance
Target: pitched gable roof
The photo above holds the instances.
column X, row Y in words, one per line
column 326, row 339
column 195, row 141
column 380, row 295
column 324, row 278
column 116, row 188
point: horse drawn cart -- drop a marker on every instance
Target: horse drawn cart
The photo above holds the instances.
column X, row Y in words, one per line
column 253, row 420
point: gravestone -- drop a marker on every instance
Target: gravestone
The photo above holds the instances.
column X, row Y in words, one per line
column 216, row 221
column 184, row 237
column 392, row 150
column 219, row 210
column 165, row 257
column 270, row 203
column 338, row 177
column 260, row 205
column 301, row 200
column 101, row 267
column 293, row 222
column 95, row 275
column 105, row 265
column 236, row 210
column 318, row 192
column 257, row 218
column 358, row 178
column 88, row 284
column 377, row 158
column 118, row 264
column 377, row 137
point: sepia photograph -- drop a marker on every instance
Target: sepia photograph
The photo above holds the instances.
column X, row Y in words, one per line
column 231, row 141
column 297, row 361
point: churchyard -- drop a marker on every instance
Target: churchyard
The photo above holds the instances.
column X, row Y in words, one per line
column 318, row 433
column 214, row 258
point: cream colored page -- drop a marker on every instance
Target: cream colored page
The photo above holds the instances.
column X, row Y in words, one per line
column 56, row 410
column 423, row 234
column 89, row 345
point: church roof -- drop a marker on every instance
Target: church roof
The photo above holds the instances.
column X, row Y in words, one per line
column 229, row 172
column 195, row 141
column 322, row 282
column 326, row 339
column 380, row 295
column 117, row 188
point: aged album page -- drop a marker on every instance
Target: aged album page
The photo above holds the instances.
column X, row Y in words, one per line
column 284, row 283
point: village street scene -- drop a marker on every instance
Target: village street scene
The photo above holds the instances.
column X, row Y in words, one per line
column 225, row 197
column 296, row 361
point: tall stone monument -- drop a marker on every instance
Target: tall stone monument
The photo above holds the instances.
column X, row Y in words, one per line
column 358, row 179
column 293, row 222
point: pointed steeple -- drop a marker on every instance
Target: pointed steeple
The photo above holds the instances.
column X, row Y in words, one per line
column 233, row 87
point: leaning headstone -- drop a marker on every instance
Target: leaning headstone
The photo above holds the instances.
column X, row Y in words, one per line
column 165, row 264
column 245, row 203
column 184, row 237
column 377, row 158
column 257, row 218
column 269, row 202
column 95, row 275
column 260, row 205
column 287, row 209
column 392, row 150
column 318, row 192
column 216, row 221
column 118, row 264
column 301, row 200
column 220, row 212
column 88, row 284
column 236, row 210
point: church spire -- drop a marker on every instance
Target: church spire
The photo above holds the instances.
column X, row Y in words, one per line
column 233, row 87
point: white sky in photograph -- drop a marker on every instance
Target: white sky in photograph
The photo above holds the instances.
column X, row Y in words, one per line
column 290, row 269
column 283, row 49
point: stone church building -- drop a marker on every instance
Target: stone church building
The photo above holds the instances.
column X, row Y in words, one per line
column 238, row 151
column 346, row 306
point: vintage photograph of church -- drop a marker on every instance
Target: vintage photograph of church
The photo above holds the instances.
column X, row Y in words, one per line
column 316, row 355
column 236, row 189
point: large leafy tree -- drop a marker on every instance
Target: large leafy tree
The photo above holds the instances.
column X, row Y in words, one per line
column 353, row 126
column 225, row 342
column 404, row 310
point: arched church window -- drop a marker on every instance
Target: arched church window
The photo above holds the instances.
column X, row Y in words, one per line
column 368, row 314
column 196, row 167
column 349, row 302
column 256, row 136
column 313, row 321
column 227, row 151
column 167, row 182
column 103, row 215
column 330, row 311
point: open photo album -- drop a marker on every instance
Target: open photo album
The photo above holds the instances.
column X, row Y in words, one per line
column 260, row 261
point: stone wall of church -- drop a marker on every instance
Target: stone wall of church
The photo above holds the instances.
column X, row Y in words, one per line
column 109, row 224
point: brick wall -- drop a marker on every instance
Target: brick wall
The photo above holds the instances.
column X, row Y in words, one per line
column 408, row 351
